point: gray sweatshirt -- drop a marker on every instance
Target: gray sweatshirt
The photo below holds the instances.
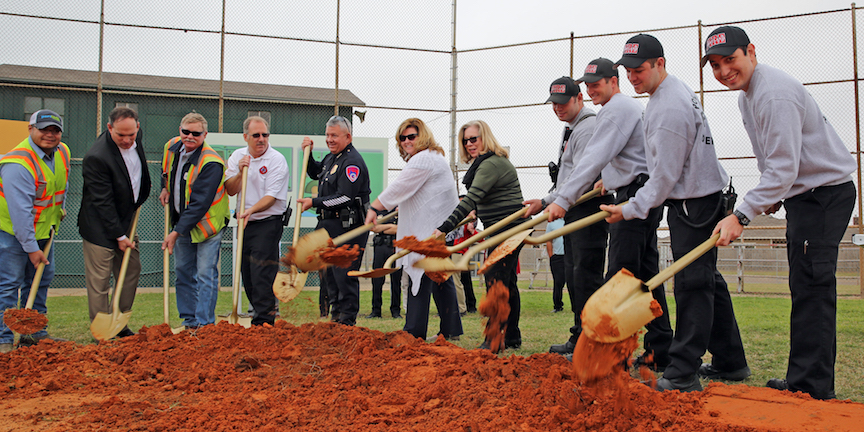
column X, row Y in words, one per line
column 679, row 149
column 796, row 148
column 617, row 150
column 574, row 151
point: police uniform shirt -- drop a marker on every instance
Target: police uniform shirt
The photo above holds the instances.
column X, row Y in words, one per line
column 268, row 176
column 341, row 178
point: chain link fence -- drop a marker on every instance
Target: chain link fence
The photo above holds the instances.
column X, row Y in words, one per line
column 298, row 64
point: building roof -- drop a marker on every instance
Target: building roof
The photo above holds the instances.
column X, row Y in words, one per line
column 173, row 85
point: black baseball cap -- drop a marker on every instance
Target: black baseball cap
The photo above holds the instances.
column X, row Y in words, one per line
column 562, row 89
column 724, row 41
column 44, row 118
column 598, row 69
column 640, row 48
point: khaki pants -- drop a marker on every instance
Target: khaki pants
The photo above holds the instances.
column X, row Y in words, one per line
column 460, row 290
column 99, row 263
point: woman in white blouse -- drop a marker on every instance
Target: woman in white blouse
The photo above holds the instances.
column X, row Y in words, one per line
column 426, row 195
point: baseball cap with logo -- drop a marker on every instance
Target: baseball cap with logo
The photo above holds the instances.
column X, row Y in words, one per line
column 598, row 69
column 562, row 89
column 640, row 48
column 724, row 41
column 44, row 118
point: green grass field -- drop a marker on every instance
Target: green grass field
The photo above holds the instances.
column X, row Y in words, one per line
column 764, row 324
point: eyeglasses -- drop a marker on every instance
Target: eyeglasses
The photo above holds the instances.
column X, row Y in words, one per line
column 260, row 134
column 411, row 137
column 472, row 140
column 193, row 133
column 340, row 121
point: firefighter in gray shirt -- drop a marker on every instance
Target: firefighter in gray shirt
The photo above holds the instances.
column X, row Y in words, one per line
column 806, row 168
column 685, row 174
column 617, row 150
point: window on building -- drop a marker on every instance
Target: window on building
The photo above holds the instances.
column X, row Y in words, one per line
column 132, row 105
column 34, row 103
column 263, row 114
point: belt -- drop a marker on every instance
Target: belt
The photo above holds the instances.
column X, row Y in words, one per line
column 267, row 219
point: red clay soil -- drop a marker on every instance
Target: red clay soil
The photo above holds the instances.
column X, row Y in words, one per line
column 496, row 307
column 24, row 321
column 431, row 248
column 438, row 276
column 331, row 377
column 341, row 256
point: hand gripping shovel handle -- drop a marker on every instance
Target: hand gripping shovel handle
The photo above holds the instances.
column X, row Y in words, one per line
column 37, row 277
column 570, row 228
column 682, row 262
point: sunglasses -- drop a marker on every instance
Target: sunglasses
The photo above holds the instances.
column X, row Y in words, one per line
column 472, row 140
column 411, row 137
column 193, row 133
column 259, row 135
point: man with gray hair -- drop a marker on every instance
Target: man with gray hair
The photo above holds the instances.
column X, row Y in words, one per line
column 343, row 195
column 264, row 211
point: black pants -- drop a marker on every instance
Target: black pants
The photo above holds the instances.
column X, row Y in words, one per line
column 816, row 221
column 585, row 251
column 259, row 265
column 705, row 319
column 559, row 280
column 468, row 287
column 343, row 290
column 323, row 295
column 633, row 246
column 382, row 252
column 417, row 315
column 505, row 271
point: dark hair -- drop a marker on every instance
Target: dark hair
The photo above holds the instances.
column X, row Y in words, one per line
column 121, row 113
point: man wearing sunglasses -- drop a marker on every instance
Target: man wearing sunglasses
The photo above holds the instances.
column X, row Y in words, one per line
column 193, row 187
column 584, row 250
column 343, row 197
column 264, row 210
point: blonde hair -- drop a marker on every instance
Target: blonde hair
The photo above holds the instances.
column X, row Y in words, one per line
column 489, row 141
column 424, row 139
column 194, row 118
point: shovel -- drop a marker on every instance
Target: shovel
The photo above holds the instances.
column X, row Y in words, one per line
column 105, row 326
column 166, row 274
column 624, row 304
column 288, row 285
column 23, row 324
column 388, row 265
column 306, row 257
column 476, row 237
column 234, row 317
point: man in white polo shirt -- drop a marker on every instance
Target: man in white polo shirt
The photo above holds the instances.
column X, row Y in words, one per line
column 265, row 209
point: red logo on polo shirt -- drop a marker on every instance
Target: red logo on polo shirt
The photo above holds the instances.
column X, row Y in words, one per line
column 263, row 170
column 719, row 38
column 352, row 172
column 558, row 88
column 591, row 69
column 631, row 48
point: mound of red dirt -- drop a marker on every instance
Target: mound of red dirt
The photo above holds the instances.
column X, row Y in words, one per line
column 331, row 377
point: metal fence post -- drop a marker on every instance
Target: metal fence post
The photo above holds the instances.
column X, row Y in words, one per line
column 857, row 147
column 739, row 248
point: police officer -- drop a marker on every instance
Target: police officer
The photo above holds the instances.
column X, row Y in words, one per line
column 343, row 195
column 385, row 235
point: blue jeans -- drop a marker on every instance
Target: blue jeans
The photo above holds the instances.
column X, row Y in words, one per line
column 17, row 273
column 197, row 269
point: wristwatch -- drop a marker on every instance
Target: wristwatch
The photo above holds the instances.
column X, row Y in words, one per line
column 742, row 219
column 543, row 203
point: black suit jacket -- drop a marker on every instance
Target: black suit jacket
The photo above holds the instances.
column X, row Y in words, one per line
column 107, row 202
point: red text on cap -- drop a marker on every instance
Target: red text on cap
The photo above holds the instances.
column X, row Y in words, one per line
column 631, row 48
column 558, row 88
column 719, row 38
column 591, row 69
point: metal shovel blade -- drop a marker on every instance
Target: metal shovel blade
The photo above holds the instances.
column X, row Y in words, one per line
column 305, row 257
column 430, row 264
column 288, row 285
column 503, row 250
column 106, row 326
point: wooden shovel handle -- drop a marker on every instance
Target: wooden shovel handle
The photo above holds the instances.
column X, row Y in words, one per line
column 363, row 228
column 37, row 277
column 124, row 265
column 165, row 274
column 682, row 262
column 403, row 252
column 571, row 227
column 235, row 293
column 302, row 183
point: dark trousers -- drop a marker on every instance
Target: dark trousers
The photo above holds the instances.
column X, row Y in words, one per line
column 417, row 315
column 559, row 280
column 343, row 290
column 323, row 295
column 468, row 287
column 505, row 272
column 633, row 246
column 585, row 252
column 816, row 221
column 382, row 252
column 705, row 319
column 259, row 265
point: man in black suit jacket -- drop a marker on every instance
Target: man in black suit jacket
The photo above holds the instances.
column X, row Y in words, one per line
column 116, row 182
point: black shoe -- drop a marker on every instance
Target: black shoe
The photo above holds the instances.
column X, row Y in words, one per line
column 683, row 384
column 472, row 311
column 707, row 370
column 397, row 316
column 373, row 315
column 569, row 357
column 462, row 314
column 124, row 333
column 777, row 384
column 514, row 344
column 487, row 346
column 565, row 348
column 642, row 360
column 29, row 340
column 556, row 310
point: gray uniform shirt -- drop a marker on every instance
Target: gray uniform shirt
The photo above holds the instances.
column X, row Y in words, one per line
column 617, row 150
column 679, row 149
column 796, row 148
column 583, row 128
